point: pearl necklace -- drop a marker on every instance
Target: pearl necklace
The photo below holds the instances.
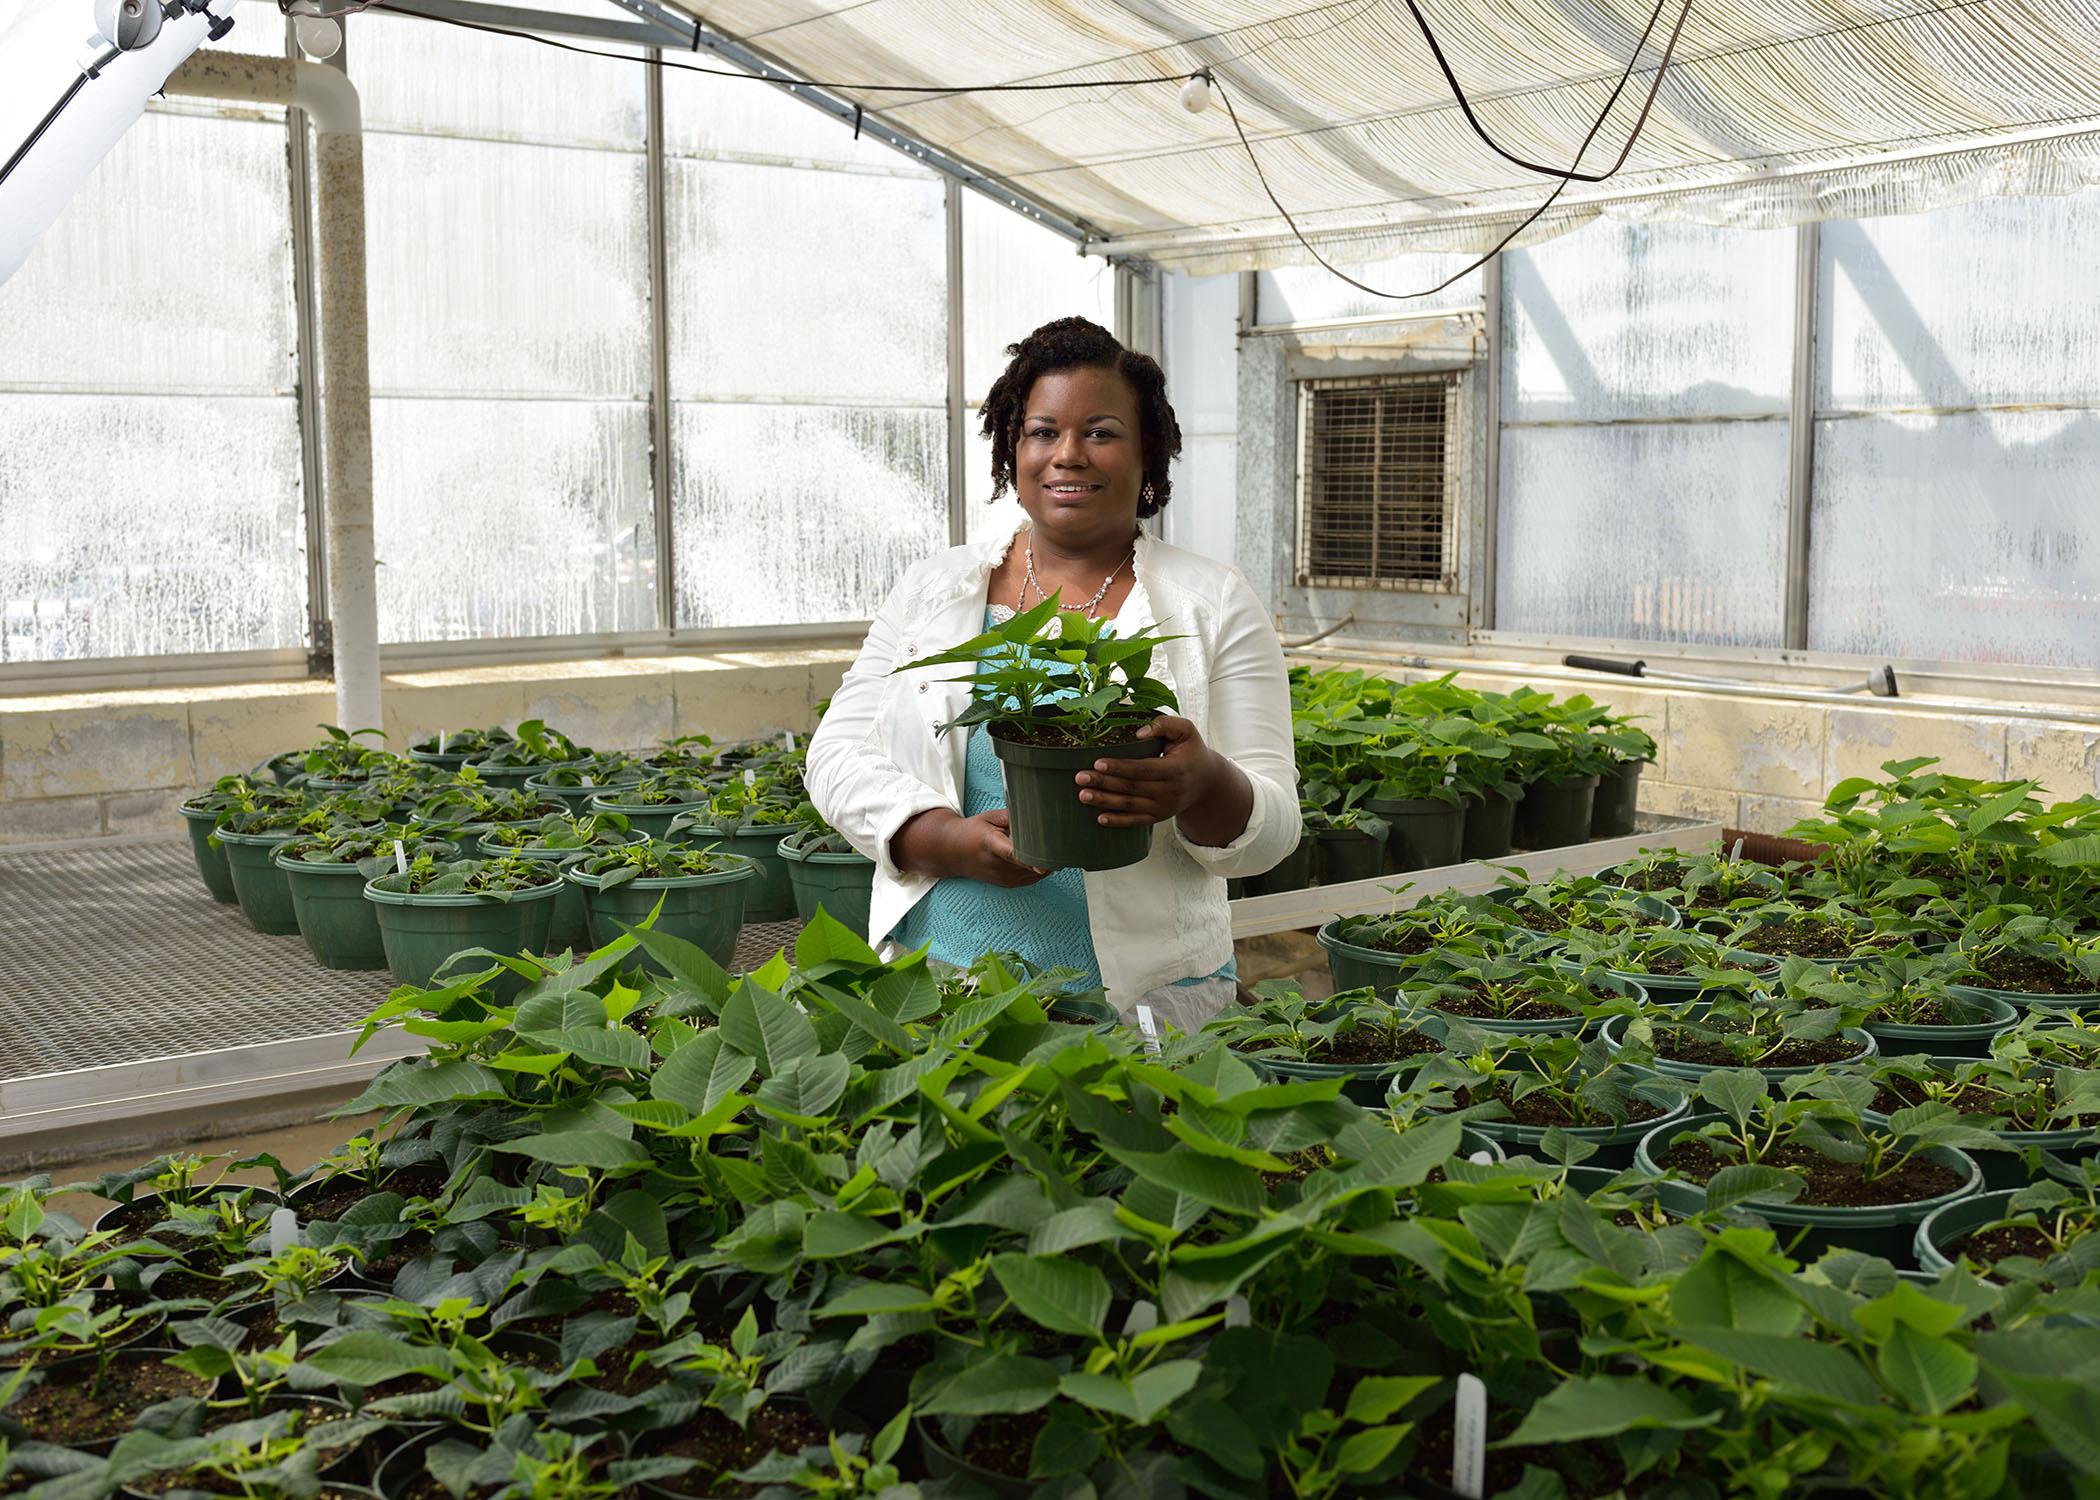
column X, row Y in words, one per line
column 1091, row 606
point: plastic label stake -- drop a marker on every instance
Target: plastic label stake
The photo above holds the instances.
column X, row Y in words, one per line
column 787, row 739
column 1150, row 1030
column 284, row 1230
column 750, row 777
column 441, row 742
column 1469, row 1420
column 400, row 858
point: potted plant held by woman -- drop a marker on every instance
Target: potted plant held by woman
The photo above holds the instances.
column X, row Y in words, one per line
column 1057, row 691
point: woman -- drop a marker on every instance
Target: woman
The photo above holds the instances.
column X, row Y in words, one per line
column 1082, row 433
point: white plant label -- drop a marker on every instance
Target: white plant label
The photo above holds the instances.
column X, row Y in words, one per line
column 750, row 777
column 284, row 1230
column 1737, row 851
column 1469, row 1420
column 441, row 742
column 787, row 739
column 1150, row 1030
column 400, row 857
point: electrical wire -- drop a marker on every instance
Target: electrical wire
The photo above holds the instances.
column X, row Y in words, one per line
column 43, row 125
column 1458, row 92
column 1523, row 224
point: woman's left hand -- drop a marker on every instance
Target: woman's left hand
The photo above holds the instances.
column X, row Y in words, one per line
column 1137, row 793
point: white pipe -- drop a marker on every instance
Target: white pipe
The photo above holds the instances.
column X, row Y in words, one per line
column 330, row 101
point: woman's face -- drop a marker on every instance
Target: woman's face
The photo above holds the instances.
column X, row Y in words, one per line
column 1078, row 468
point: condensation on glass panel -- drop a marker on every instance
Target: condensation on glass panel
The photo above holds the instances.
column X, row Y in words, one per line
column 421, row 75
column 1666, row 532
column 258, row 29
column 1202, row 515
column 1649, row 320
column 1017, row 276
column 506, row 268
column 149, row 525
column 1200, row 323
column 710, row 116
column 816, row 287
column 1971, row 537
column 986, row 519
column 105, row 299
column 786, row 515
column 1313, row 294
column 1989, row 304
column 512, row 518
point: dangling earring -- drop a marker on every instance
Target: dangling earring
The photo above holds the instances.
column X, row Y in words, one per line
column 1146, row 498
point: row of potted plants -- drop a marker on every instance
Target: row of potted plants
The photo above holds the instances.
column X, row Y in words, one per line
column 379, row 861
column 848, row 1227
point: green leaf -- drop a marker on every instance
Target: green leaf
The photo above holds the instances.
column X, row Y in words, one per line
column 872, row 1299
column 2000, row 807
column 804, row 1091
column 766, row 1028
column 413, row 1084
column 828, row 940
column 1090, row 1223
column 1595, row 1406
column 1932, row 1374
column 1826, row 1370
column 686, row 961
column 1003, row 1383
column 1139, row 1399
column 608, row 1046
column 1377, row 1397
column 1748, row 1182
column 367, row 1357
column 1407, row 1157
column 830, row 1235
column 1722, row 1292
column 1064, row 1296
column 596, row 1149
column 1364, row 1451
column 1207, row 1179
column 702, row 1073
column 1736, row 1092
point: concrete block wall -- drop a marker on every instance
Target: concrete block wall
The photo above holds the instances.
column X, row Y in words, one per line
column 93, row 765
column 1763, row 763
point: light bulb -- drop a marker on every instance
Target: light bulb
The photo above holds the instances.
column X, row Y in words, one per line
column 319, row 37
column 1195, row 94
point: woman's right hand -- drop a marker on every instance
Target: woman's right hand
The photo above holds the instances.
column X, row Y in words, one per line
column 944, row 844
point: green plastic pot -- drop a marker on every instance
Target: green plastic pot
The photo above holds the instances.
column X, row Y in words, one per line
column 942, row 1463
column 1051, row 828
column 1615, row 1143
column 1949, row 1222
column 2005, row 1166
column 517, row 776
column 1674, row 990
column 1553, row 1025
column 1618, row 797
column 1354, row 967
column 1294, row 872
column 577, row 799
column 1971, row 1039
column 772, row 899
column 1614, row 1037
column 842, row 884
column 566, row 928
column 1363, row 1082
column 706, row 910
column 1473, row 1142
column 1490, row 826
column 261, row 888
column 1423, row 833
column 422, row 932
column 1346, row 854
column 1555, row 814
column 340, row 926
column 1887, row 1230
column 1863, row 925
column 2026, row 999
column 211, row 858
column 1090, row 1008
column 450, row 760
column 651, row 819
column 1659, row 912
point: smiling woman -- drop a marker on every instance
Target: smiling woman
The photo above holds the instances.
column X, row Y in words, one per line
column 1082, row 433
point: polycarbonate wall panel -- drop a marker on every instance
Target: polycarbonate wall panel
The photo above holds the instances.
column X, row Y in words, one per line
column 1660, row 532
column 528, row 273
column 801, row 285
column 1313, row 294
column 802, row 513
column 1017, row 276
column 135, row 525
column 460, row 558
column 1646, row 385
column 508, row 212
column 1649, row 320
column 1952, row 520
column 711, row 116
column 1992, row 304
column 149, row 474
column 426, row 77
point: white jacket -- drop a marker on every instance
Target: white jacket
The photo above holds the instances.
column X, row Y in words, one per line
column 877, row 759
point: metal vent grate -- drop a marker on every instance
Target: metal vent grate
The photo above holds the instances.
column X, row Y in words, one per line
column 1377, row 481
column 113, row 954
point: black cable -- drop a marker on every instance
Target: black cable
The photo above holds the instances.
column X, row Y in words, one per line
column 1458, row 92
column 1522, row 225
column 79, row 81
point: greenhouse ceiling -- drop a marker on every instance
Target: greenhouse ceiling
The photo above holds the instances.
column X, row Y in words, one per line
column 1771, row 111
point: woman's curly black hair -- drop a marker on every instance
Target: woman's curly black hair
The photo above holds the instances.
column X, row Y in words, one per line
column 1077, row 344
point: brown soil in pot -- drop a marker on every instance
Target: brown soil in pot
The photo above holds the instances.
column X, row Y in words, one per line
column 330, row 1201
column 1969, row 1099
column 1477, row 1004
column 1989, row 1246
column 2030, row 974
column 1670, row 965
column 1830, row 1184
column 1790, row 1054
column 1587, row 1470
column 1809, row 937
column 1302, row 1165
column 1665, row 877
column 313, row 1415
column 1538, row 1109
column 1410, row 942
column 1374, row 1044
column 721, row 1447
column 1005, row 1442
column 63, row 1410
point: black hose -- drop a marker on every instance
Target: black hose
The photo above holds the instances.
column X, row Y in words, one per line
column 42, row 126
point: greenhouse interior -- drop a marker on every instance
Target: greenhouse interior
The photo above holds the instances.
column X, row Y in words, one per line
column 1049, row 748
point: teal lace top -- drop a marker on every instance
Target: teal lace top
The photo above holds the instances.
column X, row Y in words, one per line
column 959, row 920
